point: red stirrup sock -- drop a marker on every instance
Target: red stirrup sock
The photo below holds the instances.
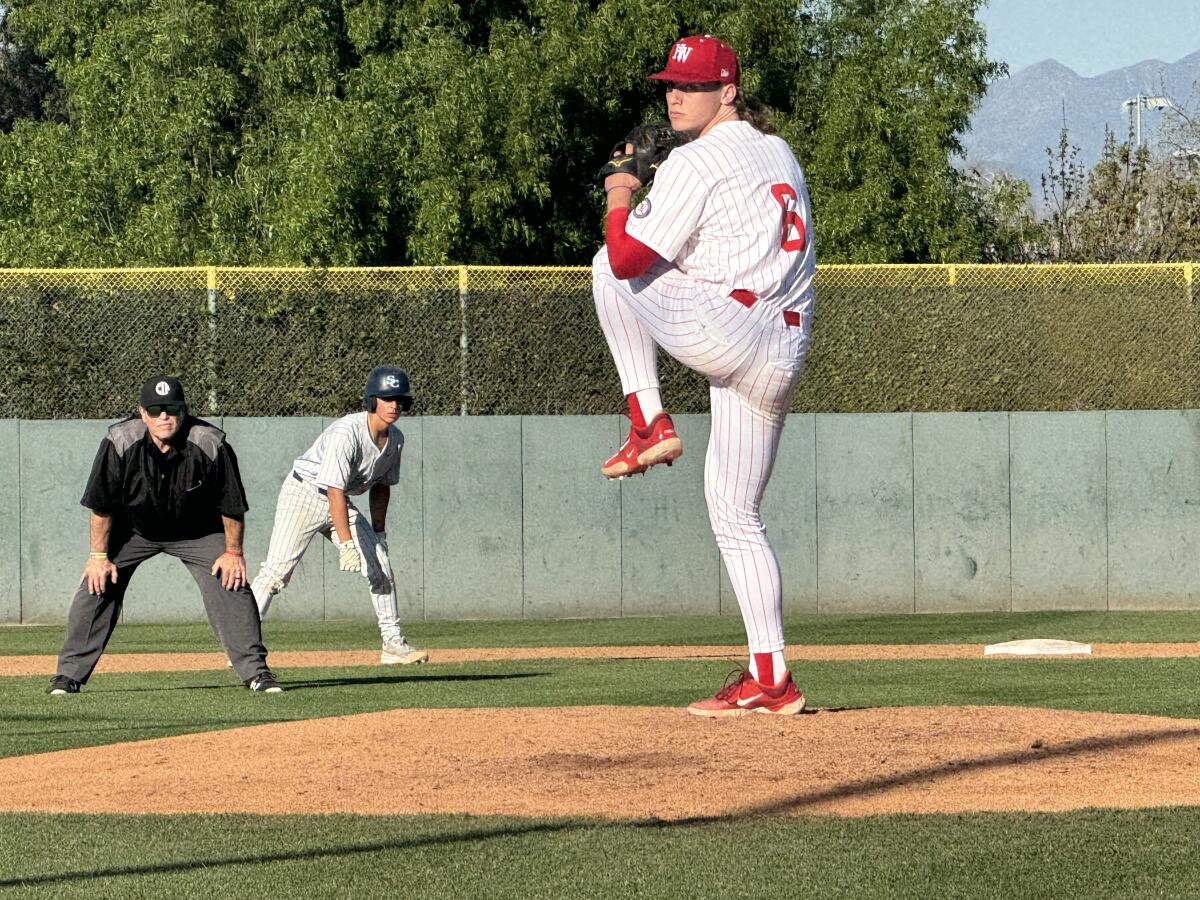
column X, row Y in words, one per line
column 635, row 411
column 644, row 406
column 762, row 667
column 768, row 668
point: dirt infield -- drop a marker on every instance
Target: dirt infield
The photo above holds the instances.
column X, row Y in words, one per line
column 633, row 762
column 187, row 662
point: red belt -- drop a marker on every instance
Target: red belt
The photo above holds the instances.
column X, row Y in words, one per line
column 749, row 298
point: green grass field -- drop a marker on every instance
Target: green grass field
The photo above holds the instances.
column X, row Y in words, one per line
column 980, row 628
column 1087, row 854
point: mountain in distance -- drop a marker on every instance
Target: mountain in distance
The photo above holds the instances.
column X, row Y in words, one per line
column 1022, row 115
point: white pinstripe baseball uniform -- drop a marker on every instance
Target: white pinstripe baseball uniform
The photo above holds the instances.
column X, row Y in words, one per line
column 732, row 298
column 343, row 457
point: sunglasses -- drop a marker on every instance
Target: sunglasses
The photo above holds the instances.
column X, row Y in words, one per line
column 405, row 402
column 171, row 409
column 694, row 87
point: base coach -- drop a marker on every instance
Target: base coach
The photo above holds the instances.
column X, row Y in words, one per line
column 164, row 482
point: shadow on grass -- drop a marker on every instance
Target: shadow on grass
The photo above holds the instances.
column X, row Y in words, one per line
column 289, row 685
column 128, row 729
column 405, row 679
column 792, row 805
column 476, row 834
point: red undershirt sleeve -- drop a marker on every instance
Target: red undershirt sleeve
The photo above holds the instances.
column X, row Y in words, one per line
column 628, row 256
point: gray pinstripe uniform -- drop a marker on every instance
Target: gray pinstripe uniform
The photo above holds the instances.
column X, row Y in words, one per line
column 343, row 457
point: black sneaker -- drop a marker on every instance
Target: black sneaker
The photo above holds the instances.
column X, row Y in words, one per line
column 264, row 684
column 61, row 684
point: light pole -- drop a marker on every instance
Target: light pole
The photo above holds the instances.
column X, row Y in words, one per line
column 1140, row 102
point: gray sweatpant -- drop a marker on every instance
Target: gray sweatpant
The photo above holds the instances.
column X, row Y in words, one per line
column 232, row 614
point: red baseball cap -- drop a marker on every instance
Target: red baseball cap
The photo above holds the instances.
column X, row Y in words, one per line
column 698, row 59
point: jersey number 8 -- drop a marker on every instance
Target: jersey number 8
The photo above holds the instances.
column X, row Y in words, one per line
column 791, row 218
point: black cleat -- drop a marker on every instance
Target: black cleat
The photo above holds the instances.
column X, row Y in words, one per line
column 61, row 684
column 264, row 684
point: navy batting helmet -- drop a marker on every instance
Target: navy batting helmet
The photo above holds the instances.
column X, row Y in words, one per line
column 389, row 383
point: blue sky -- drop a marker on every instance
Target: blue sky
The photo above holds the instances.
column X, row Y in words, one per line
column 1091, row 36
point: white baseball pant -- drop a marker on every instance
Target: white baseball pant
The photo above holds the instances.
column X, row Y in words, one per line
column 752, row 359
column 302, row 512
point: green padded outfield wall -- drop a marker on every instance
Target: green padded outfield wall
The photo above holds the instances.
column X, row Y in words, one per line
column 1058, row 505
column 508, row 517
column 10, row 509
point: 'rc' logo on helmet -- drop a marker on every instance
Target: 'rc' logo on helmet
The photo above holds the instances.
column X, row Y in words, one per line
column 162, row 389
column 391, row 381
column 682, row 52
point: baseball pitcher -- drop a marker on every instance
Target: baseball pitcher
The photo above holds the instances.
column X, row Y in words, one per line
column 715, row 266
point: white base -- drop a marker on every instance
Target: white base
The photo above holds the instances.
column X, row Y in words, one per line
column 1037, row 647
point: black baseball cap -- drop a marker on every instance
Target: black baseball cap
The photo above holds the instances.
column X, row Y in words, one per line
column 160, row 390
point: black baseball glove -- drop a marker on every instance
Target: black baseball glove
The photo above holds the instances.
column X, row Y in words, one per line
column 651, row 142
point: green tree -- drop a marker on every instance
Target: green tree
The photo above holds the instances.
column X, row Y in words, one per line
column 28, row 89
column 1172, row 213
column 449, row 131
column 1130, row 207
column 897, row 81
column 1008, row 229
column 1111, row 219
column 1064, row 192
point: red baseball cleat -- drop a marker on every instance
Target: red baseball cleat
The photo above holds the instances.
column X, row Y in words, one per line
column 745, row 695
column 645, row 447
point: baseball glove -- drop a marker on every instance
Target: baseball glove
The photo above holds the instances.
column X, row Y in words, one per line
column 651, row 143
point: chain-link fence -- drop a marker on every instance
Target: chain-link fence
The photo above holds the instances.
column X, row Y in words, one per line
column 489, row 340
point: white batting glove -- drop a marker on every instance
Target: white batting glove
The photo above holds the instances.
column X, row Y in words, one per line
column 348, row 560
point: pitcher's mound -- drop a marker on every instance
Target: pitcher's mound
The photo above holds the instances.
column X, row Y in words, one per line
column 633, row 762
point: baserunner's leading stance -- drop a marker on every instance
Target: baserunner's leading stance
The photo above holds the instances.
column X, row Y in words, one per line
column 356, row 454
column 164, row 482
column 715, row 266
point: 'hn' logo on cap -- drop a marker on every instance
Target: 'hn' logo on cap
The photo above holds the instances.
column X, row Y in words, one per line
column 682, row 52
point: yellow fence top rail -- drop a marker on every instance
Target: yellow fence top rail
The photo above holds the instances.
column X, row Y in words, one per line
column 1185, row 267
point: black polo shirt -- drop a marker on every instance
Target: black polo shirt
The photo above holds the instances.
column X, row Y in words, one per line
column 171, row 496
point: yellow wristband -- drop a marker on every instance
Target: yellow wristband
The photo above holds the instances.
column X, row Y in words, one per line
column 97, row 556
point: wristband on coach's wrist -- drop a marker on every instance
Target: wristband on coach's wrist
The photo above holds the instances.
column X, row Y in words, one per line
column 97, row 556
column 233, row 552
